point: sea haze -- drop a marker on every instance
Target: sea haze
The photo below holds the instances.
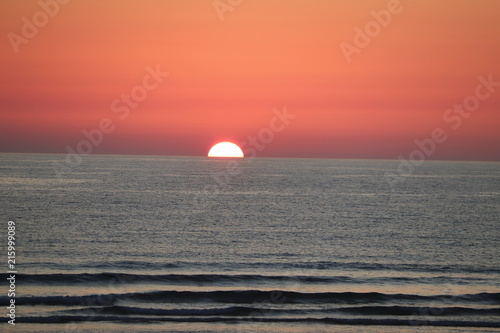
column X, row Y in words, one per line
column 127, row 243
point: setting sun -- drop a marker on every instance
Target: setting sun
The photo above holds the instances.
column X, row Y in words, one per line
column 225, row 149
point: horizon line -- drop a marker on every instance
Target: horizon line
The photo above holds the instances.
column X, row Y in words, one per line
column 260, row 157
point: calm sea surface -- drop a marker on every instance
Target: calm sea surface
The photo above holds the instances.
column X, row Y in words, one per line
column 185, row 244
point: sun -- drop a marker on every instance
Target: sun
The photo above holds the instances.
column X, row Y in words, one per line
column 225, row 149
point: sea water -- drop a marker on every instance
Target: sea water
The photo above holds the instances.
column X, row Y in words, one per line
column 192, row 244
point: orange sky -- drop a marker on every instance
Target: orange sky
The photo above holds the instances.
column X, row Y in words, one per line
column 226, row 76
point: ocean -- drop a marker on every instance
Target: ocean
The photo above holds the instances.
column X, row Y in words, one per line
column 193, row 244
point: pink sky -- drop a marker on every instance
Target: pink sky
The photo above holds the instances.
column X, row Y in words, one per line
column 226, row 76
